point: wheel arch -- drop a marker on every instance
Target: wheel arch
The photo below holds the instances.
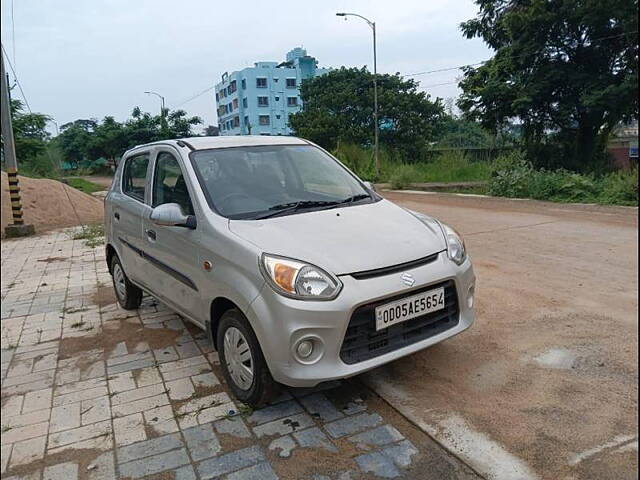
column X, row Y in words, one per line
column 218, row 307
column 110, row 251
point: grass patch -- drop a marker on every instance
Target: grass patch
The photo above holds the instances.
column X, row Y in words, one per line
column 446, row 167
column 84, row 185
column 93, row 235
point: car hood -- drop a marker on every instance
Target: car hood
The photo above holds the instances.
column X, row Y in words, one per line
column 346, row 240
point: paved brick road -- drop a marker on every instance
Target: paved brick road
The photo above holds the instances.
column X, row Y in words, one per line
column 90, row 391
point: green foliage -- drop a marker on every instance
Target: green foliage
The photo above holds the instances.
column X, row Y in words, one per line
column 514, row 176
column 338, row 107
column 463, row 133
column 403, row 175
column 450, row 166
column 620, row 188
column 85, row 141
column 44, row 164
column 567, row 68
column 30, row 137
column 84, row 185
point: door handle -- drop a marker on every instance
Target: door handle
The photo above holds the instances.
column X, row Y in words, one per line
column 117, row 216
column 151, row 234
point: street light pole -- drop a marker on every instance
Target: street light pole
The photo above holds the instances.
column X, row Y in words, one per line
column 375, row 84
column 161, row 101
column 18, row 228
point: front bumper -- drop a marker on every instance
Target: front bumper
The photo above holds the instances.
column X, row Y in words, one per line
column 280, row 322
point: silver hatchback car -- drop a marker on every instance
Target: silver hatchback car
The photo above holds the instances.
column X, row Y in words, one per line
column 298, row 271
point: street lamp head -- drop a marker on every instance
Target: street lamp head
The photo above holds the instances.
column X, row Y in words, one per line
column 340, row 14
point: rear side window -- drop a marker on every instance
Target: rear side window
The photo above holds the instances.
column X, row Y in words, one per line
column 134, row 176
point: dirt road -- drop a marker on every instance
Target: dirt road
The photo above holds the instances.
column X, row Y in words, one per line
column 544, row 385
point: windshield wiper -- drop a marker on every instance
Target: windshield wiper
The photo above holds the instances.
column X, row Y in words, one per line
column 354, row 198
column 283, row 208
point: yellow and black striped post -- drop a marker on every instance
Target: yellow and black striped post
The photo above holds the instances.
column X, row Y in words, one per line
column 18, row 227
column 14, row 194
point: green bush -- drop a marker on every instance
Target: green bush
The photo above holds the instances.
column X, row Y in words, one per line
column 620, row 188
column 402, row 176
column 45, row 164
column 513, row 176
column 453, row 166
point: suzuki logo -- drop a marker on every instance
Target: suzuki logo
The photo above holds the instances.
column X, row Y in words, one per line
column 408, row 279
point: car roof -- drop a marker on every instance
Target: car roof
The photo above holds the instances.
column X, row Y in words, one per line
column 203, row 143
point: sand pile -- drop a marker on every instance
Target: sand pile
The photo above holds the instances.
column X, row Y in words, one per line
column 49, row 204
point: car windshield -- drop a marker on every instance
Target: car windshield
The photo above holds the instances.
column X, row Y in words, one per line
column 268, row 181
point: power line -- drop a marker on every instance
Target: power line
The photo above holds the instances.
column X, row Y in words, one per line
column 194, row 96
column 24, row 97
column 447, row 69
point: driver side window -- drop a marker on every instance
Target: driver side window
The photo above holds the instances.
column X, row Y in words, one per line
column 169, row 185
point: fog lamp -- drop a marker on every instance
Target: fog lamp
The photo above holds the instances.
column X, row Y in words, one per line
column 305, row 349
column 470, row 295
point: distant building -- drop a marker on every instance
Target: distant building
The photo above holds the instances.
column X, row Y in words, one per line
column 258, row 100
column 623, row 145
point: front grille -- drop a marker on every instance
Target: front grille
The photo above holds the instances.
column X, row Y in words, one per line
column 362, row 341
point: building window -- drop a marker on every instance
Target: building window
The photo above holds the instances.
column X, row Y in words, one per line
column 277, row 99
column 244, row 102
column 235, row 103
column 263, row 101
column 278, row 117
column 244, row 84
column 233, row 87
column 291, row 83
column 261, row 82
column 246, row 121
column 275, row 80
column 217, row 96
column 264, row 120
column 292, row 101
column 236, row 122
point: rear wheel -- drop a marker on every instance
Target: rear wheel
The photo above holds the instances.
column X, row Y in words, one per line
column 129, row 296
column 243, row 364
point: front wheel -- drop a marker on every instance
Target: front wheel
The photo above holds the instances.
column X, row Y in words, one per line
column 243, row 364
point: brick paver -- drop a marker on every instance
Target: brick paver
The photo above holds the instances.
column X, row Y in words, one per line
column 92, row 391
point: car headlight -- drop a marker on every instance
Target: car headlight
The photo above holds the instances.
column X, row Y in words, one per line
column 296, row 279
column 455, row 245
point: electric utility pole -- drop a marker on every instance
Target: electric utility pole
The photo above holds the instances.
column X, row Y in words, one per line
column 18, row 228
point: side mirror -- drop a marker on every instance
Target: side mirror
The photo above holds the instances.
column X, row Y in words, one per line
column 171, row 215
column 370, row 186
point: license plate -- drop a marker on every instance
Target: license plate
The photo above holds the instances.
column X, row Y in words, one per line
column 409, row 307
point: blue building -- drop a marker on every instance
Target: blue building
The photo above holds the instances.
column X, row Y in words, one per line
column 258, row 100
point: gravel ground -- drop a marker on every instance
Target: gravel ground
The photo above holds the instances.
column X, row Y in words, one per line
column 545, row 383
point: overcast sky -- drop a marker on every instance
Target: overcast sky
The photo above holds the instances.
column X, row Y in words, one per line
column 87, row 59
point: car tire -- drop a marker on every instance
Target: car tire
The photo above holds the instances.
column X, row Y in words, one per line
column 128, row 295
column 259, row 388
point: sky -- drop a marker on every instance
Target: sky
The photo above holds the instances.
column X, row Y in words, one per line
column 88, row 59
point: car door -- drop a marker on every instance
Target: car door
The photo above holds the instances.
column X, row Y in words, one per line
column 171, row 253
column 129, row 209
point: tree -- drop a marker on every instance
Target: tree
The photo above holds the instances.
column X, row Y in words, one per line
column 75, row 138
column 30, row 136
column 87, row 140
column 565, row 69
column 338, row 106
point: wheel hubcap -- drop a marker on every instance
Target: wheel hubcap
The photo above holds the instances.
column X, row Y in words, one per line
column 238, row 359
column 119, row 282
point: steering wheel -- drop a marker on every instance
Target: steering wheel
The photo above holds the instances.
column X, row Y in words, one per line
column 229, row 196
